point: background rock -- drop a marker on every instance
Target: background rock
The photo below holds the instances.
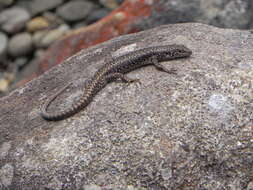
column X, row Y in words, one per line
column 97, row 15
column 3, row 45
column 21, row 61
column 20, row 44
column 192, row 130
column 75, row 10
column 111, row 4
column 5, row 3
column 45, row 38
column 38, row 23
column 13, row 20
column 38, row 6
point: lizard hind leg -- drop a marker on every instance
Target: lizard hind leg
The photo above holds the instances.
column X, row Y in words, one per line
column 114, row 76
column 153, row 60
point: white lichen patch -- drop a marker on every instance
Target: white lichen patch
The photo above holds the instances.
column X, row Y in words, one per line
column 6, row 175
column 220, row 103
column 125, row 49
column 31, row 164
column 63, row 147
column 4, row 149
column 80, row 56
column 59, row 148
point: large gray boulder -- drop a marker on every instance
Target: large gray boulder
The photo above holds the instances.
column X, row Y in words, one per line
column 192, row 130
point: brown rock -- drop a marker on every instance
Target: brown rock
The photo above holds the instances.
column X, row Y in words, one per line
column 38, row 23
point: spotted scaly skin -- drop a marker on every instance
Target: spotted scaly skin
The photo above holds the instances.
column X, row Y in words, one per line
column 115, row 69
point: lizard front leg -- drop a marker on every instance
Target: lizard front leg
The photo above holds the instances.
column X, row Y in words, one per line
column 153, row 60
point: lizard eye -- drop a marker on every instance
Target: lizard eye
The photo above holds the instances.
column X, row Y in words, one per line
column 175, row 53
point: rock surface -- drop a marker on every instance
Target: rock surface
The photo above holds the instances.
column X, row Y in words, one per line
column 188, row 131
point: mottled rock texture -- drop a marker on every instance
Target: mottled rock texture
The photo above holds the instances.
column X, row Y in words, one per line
column 187, row 131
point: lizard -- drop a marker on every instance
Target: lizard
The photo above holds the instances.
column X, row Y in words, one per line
column 115, row 69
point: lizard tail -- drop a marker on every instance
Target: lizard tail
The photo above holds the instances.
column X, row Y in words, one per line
column 53, row 117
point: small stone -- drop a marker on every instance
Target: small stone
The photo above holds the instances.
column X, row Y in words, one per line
column 3, row 45
column 54, row 35
column 38, row 23
column 45, row 38
column 4, row 85
column 5, row 81
column 110, row 4
column 39, row 53
column 21, row 61
column 5, row 3
column 13, row 20
column 37, row 38
column 75, row 10
column 24, row 4
column 97, row 15
column 38, row 6
column 79, row 25
column 119, row 1
column 20, row 44
column 52, row 18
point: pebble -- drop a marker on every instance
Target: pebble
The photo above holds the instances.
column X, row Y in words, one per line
column 54, row 35
column 39, row 53
column 37, row 37
column 5, row 3
column 110, row 4
column 3, row 45
column 24, row 4
column 21, row 61
column 20, row 44
column 45, row 38
column 5, row 81
column 75, row 10
column 12, row 20
column 38, row 23
column 97, row 15
column 52, row 18
column 4, row 84
column 79, row 25
column 38, row 6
